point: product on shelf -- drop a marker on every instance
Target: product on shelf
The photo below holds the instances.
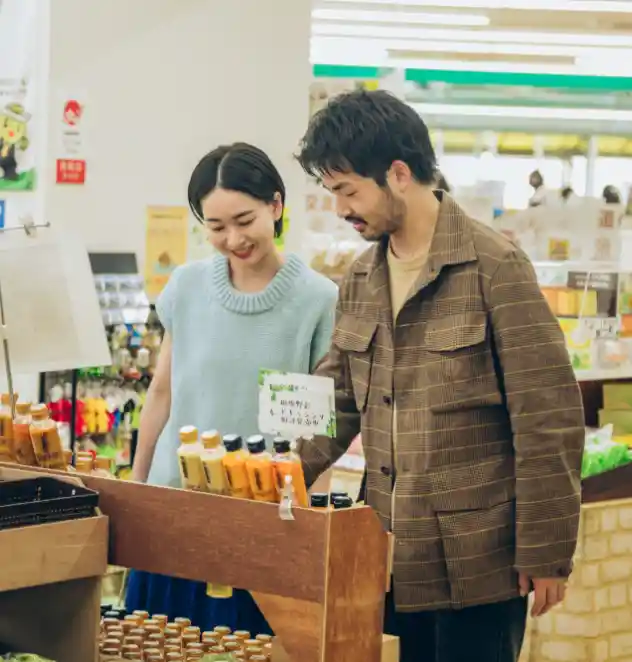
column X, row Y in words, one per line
column 604, row 452
column 190, row 461
column 23, row 452
column 235, row 467
column 139, row 637
column 260, row 470
column 46, row 440
column 319, row 500
column 6, row 428
column 212, row 456
column 288, row 463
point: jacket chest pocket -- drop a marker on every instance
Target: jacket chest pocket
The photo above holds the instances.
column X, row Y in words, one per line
column 354, row 336
column 461, row 372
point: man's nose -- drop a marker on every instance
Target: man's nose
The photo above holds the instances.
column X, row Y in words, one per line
column 342, row 209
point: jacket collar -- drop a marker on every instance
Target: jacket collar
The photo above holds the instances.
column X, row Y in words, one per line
column 451, row 244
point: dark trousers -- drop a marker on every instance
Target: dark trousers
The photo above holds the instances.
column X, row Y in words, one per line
column 489, row 633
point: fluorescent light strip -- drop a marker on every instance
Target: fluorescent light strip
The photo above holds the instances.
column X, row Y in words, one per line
column 496, row 36
column 376, row 35
column 471, row 20
column 520, row 112
column 596, row 6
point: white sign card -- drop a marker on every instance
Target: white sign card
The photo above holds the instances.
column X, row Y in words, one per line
column 53, row 319
column 296, row 405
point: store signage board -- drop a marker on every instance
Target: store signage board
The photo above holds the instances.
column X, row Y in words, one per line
column 296, row 405
column 53, row 319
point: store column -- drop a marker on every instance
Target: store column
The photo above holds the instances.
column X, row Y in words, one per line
column 163, row 82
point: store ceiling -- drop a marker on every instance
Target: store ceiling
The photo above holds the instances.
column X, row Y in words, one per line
column 576, row 37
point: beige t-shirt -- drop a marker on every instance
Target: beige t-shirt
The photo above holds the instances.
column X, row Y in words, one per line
column 402, row 275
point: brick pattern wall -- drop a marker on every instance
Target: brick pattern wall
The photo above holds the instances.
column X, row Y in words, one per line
column 595, row 622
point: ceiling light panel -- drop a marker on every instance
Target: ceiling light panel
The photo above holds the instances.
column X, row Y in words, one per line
column 409, row 41
column 506, row 36
column 595, row 6
column 362, row 16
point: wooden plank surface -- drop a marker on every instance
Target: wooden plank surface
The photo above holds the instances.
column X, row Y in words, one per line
column 48, row 553
column 356, row 578
column 204, row 537
column 192, row 535
column 57, row 621
column 298, row 626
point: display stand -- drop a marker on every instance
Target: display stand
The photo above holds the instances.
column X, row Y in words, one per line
column 50, row 588
column 319, row 579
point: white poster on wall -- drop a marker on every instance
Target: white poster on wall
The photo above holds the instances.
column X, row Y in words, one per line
column 19, row 54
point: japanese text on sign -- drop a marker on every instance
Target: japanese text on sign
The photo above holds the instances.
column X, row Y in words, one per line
column 296, row 404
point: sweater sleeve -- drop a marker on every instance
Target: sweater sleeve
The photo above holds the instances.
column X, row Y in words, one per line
column 321, row 340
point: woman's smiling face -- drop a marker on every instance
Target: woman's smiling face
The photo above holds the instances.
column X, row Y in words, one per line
column 240, row 226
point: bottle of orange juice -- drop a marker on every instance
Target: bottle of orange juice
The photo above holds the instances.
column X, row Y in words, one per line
column 260, row 470
column 46, row 440
column 22, row 444
column 234, row 463
column 191, row 471
column 6, row 429
column 288, row 463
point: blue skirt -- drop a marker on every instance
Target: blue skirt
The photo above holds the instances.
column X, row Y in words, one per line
column 175, row 598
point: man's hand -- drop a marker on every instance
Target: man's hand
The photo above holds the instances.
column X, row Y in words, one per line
column 547, row 592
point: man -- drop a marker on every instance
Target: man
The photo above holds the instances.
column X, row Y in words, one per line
column 447, row 357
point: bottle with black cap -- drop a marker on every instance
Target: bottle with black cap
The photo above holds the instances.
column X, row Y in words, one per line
column 235, row 467
column 342, row 501
column 260, row 470
column 288, row 463
column 320, row 500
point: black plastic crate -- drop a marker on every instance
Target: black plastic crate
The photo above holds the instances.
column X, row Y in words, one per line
column 43, row 500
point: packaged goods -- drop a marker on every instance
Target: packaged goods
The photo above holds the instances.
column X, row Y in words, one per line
column 45, row 438
column 190, row 461
column 288, row 463
column 23, row 452
column 235, row 467
column 260, row 470
column 212, row 456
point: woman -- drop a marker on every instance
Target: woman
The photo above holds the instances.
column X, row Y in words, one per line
column 246, row 308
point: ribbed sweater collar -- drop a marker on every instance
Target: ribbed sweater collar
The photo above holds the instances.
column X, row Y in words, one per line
column 252, row 303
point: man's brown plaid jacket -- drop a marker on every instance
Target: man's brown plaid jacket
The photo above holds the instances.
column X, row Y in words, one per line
column 490, row 418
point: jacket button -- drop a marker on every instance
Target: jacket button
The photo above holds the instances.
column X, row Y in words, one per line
column 387, row 400
column 386, row 471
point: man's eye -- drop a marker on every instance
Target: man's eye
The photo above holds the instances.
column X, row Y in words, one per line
column 243, row 224
column 217, row 228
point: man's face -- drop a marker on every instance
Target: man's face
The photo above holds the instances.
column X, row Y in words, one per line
column 372, row 210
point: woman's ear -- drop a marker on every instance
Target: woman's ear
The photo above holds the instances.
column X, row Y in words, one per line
column 277, row 206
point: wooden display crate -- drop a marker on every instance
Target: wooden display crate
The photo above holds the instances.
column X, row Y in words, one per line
column 50, row 588
column 318, row 579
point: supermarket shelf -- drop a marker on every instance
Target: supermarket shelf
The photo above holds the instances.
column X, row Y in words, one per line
column 604, row 375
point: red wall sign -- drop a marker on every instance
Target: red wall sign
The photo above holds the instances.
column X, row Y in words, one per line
column 71, row 171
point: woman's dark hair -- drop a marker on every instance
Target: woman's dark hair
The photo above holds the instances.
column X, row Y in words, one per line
column 238, row 167
column 365, row 132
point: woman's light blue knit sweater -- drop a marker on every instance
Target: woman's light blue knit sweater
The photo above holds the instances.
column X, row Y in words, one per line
column 222, row 337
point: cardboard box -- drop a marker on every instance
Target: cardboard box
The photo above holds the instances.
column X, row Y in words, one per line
column 617, row 396
column 621, row 420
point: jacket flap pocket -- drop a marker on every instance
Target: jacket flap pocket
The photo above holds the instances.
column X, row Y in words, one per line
column 453, row 332
column 353, row 334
